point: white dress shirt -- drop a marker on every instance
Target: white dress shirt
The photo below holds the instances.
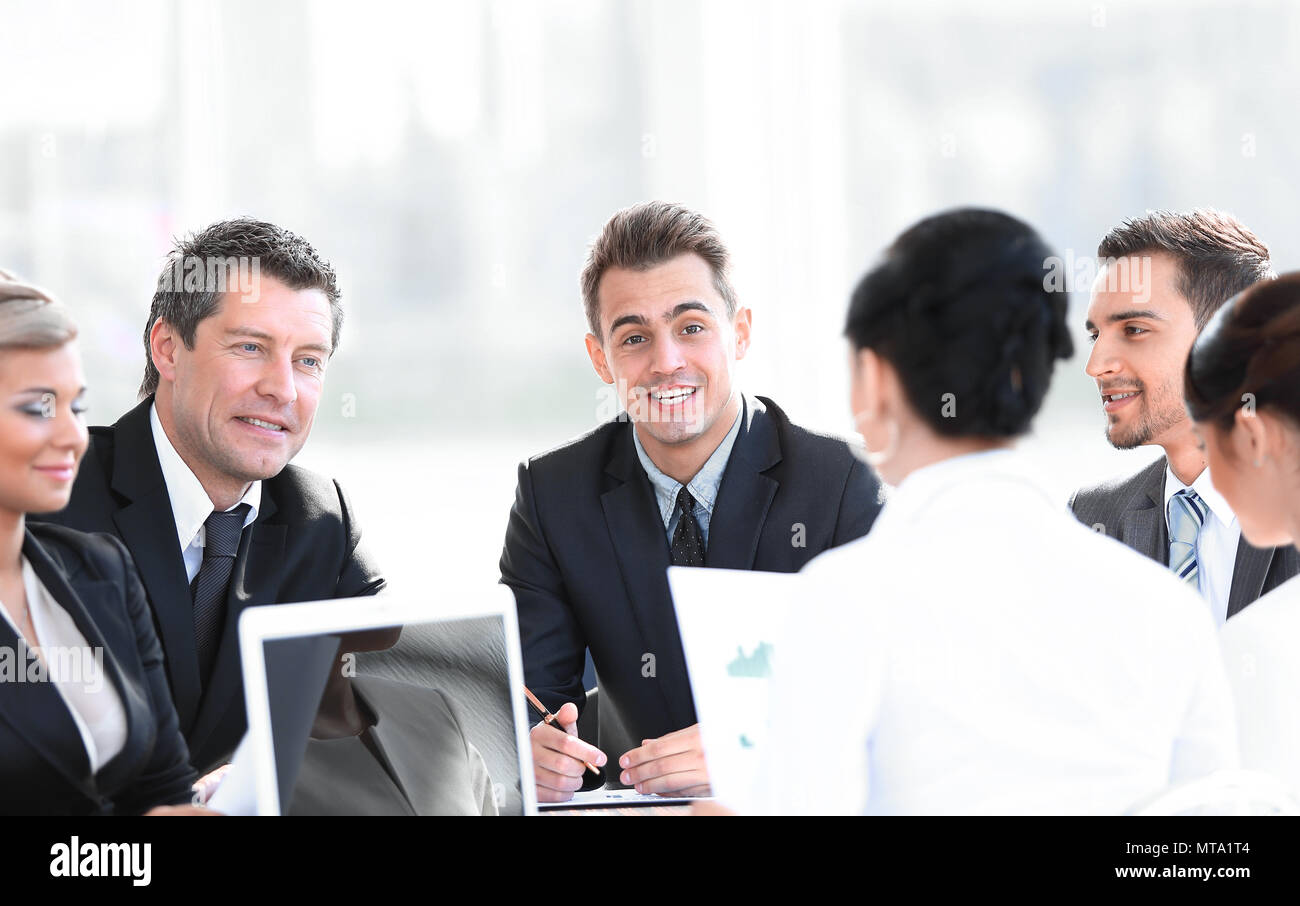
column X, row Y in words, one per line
column 76, row 672
column 1259, row 649
column 191, row 505
column 982, row 652
column 1216, row 542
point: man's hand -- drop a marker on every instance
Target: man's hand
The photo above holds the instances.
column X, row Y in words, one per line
column 670, row 765
column 174, row 810
column 558, row 757
column 206, row 786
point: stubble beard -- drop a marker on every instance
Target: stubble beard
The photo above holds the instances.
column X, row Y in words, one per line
column 1150, row 424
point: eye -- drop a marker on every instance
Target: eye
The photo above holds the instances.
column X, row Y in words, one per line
column 249, row 347
column 1092, row 338
column 311, row 362
column 1133, row 330
column 692, row 328
column 634, row 340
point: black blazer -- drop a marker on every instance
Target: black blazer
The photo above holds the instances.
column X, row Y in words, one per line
column 1132, row 510
column 586, row 554
column 44, row 767
column 304, row 546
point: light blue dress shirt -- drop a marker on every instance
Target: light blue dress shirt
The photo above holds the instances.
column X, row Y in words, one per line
column 703, row 487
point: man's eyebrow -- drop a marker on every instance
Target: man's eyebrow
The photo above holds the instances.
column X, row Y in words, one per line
column 639, row 320
column 1132, row 313
column 683, row 307
column 1129, row 315
column 248, row 332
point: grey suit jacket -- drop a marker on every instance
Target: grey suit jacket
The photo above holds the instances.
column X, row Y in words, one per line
column 1132, row 510
column 419, row 733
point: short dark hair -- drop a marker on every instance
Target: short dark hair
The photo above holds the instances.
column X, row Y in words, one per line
column 1251, row 346
column 648, row 234
column 1217, row 255
column 279, row 253
column 961, row 305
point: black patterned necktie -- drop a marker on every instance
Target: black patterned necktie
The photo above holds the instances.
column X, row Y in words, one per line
column 220, row 545
column 688, row 540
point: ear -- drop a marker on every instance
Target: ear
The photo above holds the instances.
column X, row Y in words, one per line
column 867, row 374
column 597, row 355
column 742, row 324
column 164, row 343
column 1252, row 436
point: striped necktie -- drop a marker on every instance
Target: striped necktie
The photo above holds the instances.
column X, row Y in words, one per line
column 1187, row 514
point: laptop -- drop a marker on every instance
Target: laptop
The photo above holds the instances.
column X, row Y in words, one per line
column 359, row 706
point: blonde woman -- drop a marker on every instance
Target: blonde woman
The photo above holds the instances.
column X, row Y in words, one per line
column 87, row 724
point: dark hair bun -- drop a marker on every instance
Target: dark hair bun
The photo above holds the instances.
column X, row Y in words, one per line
column 1250, row 351
column 961, row 307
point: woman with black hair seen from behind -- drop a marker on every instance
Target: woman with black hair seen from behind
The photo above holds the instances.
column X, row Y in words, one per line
column 980, row 651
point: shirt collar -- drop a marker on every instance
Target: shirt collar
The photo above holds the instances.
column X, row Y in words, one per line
column 963, row 474
column 704, row 486
column 191, row 505
column 1205, row 490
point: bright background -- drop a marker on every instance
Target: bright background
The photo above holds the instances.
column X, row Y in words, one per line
column 454, row 159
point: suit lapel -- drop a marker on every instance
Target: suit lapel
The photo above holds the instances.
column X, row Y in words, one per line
column 52, row 729
column 1248, row 574
column 39, row 716
column 641, row 548
column 254, row 580
column 148, row 527
column 745, row 494
column 1143, row 524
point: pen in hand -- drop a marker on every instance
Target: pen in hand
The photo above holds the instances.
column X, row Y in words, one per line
column 551, row 720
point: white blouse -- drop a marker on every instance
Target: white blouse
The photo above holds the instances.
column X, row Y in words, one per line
column 981, row 652
column 77, row 672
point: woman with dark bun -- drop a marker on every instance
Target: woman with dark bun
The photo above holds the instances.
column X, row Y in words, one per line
column 1242, row 386
column 980, row 651
column 87, row 725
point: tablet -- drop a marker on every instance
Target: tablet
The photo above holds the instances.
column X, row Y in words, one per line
column 392, row 704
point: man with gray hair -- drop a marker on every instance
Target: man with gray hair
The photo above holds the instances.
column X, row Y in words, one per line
column 692, row 473
column 196, row 479
column 1163, row 276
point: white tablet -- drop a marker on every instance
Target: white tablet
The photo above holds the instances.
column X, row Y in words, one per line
column 392, row 704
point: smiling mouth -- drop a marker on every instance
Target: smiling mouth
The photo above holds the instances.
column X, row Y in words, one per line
column 1111, row 402
column 270, row 426
column 673, row 395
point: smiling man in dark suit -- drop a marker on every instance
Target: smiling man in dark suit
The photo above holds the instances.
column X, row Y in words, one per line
column 692, row 473
column 1163, row 276
column 195, row 480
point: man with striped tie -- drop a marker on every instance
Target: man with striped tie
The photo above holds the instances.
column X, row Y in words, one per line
column 1163, row 277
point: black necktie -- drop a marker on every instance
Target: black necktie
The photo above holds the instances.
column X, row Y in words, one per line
column 221, row 544
column 688, row 540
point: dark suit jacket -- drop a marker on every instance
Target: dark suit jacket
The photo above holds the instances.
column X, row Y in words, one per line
column 304, row 546
column 44, row 767
column 586, row 554
column 1132, row 510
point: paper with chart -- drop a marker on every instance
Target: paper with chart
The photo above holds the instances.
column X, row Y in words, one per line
column 731, row 622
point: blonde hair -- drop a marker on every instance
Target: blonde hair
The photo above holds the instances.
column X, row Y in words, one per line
column 30, row 318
